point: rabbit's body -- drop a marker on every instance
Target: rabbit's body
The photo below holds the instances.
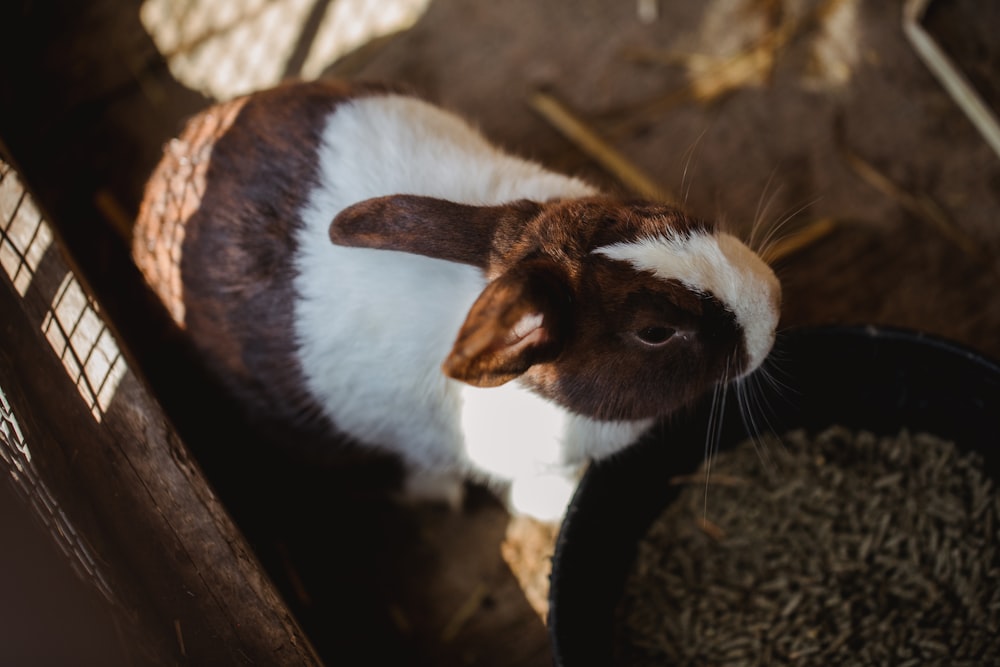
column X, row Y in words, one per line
column 356, row 331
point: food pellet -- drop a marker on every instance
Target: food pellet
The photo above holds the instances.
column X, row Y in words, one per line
column 840, row 548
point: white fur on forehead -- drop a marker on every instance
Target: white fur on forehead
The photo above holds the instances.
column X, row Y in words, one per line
column 717, row 264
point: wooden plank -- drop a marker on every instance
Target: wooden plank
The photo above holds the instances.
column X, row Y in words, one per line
column 175, row 569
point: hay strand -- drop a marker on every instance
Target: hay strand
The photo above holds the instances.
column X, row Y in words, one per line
column 801, row 239
column 466, row 611
column 953, row 81
column 919, row 205
column 585, row 138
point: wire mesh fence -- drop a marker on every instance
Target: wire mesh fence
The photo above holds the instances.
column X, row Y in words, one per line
column 77, row 335
column 230, row 47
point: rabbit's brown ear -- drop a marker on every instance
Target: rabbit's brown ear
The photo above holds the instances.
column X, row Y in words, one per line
column 519, row 320
column 429, row 226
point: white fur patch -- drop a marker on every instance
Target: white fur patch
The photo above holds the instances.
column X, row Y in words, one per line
column 720, row 265
column 514, row 433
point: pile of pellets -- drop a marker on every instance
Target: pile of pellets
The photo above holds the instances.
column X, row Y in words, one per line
column 838, row 549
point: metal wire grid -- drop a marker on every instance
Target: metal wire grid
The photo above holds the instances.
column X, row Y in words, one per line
column 225, row 48
column 24, row 236
column 71, row 322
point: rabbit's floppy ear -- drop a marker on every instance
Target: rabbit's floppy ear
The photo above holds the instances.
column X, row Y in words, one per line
column 429, row 226
column 519, row 320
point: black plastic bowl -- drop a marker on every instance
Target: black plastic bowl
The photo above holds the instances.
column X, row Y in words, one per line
column 871, row 378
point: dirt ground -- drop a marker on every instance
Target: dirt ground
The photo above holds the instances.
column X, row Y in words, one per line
column 774, row 116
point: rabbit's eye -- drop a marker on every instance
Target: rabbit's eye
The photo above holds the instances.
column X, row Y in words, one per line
column 655, row 335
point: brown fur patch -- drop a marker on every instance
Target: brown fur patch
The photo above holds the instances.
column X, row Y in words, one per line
column 489, row 350
column 605, row 372
column 595, row 222
column 429, row 226
column 216, row 237
column 596, row 365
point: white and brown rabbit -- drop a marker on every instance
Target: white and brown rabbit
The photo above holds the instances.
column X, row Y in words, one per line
column 363, row 257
